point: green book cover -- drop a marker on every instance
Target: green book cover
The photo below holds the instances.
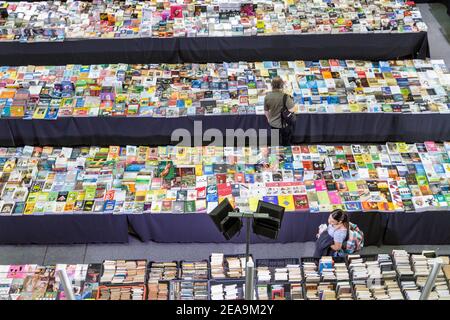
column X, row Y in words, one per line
column 352, row 186
column 90, row 193
column 189, row 206
column 32, row 198
column 323, row 197
column 72, row 196
column 42, row 196
column 447, row 198
column 421, row 180
column 52, row 196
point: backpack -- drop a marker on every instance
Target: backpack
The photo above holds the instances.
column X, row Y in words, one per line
column 287, row 117
column 355, row 240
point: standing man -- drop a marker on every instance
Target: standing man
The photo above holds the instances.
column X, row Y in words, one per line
column 273, row 106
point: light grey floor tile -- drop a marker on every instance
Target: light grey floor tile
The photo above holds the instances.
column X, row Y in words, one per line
column 65, row 254
column 22, row 254
column 438, row 33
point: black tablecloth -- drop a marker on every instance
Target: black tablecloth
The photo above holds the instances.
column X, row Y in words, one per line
column 375, row 46
column 432, row 228
column 198, row 227
column 63, row 229
column 310, row 128
column 379, row 228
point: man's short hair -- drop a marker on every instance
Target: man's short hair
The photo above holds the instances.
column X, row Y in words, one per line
column 277, row 83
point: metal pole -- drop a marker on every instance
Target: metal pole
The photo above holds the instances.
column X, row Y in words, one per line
column 431, row 280
column 68, row 290
column 247, row 242
column 249, row 280
column 249, row 266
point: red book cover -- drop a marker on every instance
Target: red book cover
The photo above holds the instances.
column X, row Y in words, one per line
column 224, row 189
column 304, row 149
column 307, row 165
column 239, row 177
column 109, row 195
column 201, row 192
column 221, row 178
column 301, row 202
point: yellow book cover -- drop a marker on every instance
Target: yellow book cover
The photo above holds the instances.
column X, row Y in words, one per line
column 367, row 158
column 327, row 75
column 69, row 207
column 17, row 111
column 253, row 203
column 198, row 170
column 402, row 147
column 29, row 208
column 287, row 202
column 159, row 194
column 260, row 24
column 264, row 73
column 39, row 113
column 140, row 195
column 80, row 195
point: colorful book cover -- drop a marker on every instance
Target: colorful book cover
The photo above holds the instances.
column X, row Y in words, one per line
column 287, row 201
column 301, row 202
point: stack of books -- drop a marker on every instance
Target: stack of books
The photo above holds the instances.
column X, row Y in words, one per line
column 165, row 271
column 217, row 266
column 157, row 290
column 235, row 266
column 263, row 274
column 121, row 293
column 124, row 272
column 194, row 270
column 189, row 290
column 227, row 291
column 235, row 88
column 296, row 291
column 294, row 273
column 422, row 266
column 372, row 277
column 58, row 21
column 408, row 284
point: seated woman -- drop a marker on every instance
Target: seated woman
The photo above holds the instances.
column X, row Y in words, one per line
column 331, row 242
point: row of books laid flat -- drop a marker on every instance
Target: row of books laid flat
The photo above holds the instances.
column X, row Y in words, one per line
column 395, row 276
column 169, row 90
column 58, row 21
column 393, row 177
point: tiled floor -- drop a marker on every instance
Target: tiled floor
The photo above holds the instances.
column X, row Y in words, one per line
column 165, row 252
column 439, row 37
column 438, row 22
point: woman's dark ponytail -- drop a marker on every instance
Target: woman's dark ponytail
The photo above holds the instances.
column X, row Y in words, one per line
column 341, row 216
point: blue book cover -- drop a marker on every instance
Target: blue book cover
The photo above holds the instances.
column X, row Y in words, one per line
column 180, row 104
column 109, row 205
column 208, row 169
column 420, row 169
column 353, row 206
column 212, row 198
column 271, row 199
column 249, row 178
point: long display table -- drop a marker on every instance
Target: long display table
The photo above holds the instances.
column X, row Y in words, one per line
column 426, row 228
column 363, row 46
column 310, row 128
